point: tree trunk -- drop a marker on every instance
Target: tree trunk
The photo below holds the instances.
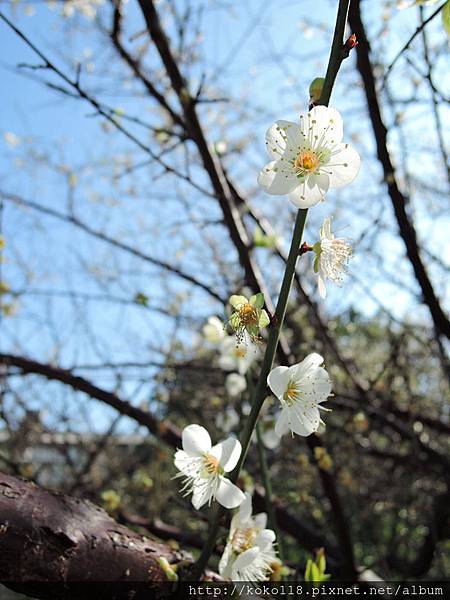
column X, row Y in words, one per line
column 47, row 537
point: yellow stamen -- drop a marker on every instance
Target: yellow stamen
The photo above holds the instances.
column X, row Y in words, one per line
column 211, row 464
column 248, row 315
column 240, row 352
column 243, row 539
column 307, row 161
column 291, row 393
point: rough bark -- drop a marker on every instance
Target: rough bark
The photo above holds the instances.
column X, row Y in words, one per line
column 46, row 537
column 171, row 435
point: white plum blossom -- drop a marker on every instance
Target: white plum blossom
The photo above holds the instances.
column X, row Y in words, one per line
column 332, row 255
column 11, row 139
column 203, row 468
column 300, row 389
column 234, row 357
column 249, row 552
column 87, row 8
column 213, row 330
column 227, row 420
column 235, row 384
column 308, row 158
column 248, row 317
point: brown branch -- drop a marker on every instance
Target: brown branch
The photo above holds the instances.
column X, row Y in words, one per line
column 168, row 432
column 171, row 435
column 49, row 537
column 116, row 243
column 411, row 39
column 194, row 130
column 136, row 67
column 399, row 201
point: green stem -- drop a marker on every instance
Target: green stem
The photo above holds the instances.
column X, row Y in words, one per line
column 261, row 389
column 336, row 57
column 271, row 516
column 337, row 52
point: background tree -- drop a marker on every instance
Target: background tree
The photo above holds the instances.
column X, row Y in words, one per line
column 129, row 214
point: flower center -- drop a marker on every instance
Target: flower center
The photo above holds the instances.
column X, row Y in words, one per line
column 240, row 352
column 243, row 539
column 248, row 315
column 291, row 393
column 307, row 162
column 211, row 465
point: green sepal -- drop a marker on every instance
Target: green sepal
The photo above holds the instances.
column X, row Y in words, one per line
column 257, row 300
column 253, row 330
column 237, row 301
column 264, row 319
column 235, row 321
column 316, row 265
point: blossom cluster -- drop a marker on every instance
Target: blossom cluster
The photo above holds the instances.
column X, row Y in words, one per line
column 308, row 158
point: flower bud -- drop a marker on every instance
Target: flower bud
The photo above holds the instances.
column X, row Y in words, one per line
column 315, row 89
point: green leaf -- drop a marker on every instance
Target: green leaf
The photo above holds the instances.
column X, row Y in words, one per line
column 446, row 17
column 316, row 577
column 321, row 562
column 264, row 319
column 308, row 570
column 257, row 300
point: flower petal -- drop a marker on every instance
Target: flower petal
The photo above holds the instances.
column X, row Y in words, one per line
column 325, row 126
column 298, row 423
column 270, row 439
column 235, row 384
column 201, row 495
column 227, row 453
column 277, row 179
column 246, row 558
column 228, row 494
column 321, row 286
column 343, row 166
column 284, row 137
column 226, row 562
column 325, row 230
column 317, row 386
column 245, row 509
column 282, row 425
column 277, row 380
column 261, row 520
column 307, row 366
column 265, row 538
column 305, row 196
column 183, row 462
column 196, row 440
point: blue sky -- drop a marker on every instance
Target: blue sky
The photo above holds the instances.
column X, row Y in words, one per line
column 264, row 53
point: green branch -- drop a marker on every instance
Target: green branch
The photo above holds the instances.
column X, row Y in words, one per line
column 338, row 52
